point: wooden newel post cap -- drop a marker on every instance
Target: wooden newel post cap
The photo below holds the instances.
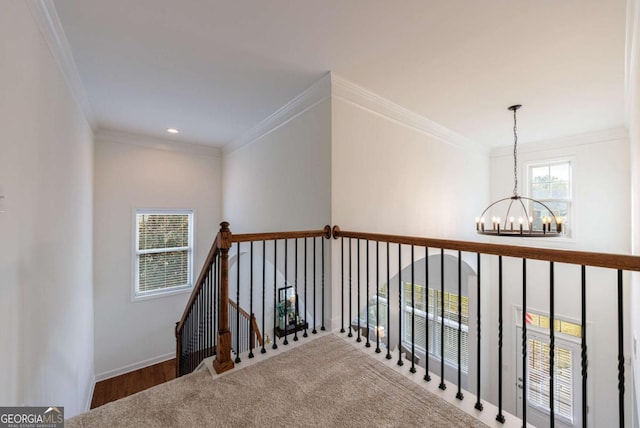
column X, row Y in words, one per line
column 224, row 226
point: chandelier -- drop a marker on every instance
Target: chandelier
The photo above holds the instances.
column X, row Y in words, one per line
column 523, row 217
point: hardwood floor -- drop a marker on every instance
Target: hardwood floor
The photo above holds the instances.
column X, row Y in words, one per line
column 121, row 386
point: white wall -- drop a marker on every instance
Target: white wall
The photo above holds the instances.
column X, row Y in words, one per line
column 281, row 180
column 46, row 296
column 392, row 178
column 601, row 177
column 389, row 177
column 633, row 98
column 135, row 172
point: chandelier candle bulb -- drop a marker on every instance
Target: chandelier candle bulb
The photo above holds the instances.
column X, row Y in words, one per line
column 559, row 224
column 511, row 221
column 498, row 224
column 477, row 224
column 520, row 220
column 482, row 224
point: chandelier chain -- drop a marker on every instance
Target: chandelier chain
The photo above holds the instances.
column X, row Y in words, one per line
column 515, row 154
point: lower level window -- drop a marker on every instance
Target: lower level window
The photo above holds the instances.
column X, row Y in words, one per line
column 538, row 385
column 566, row 368
column 163, row 251
column 433, row 312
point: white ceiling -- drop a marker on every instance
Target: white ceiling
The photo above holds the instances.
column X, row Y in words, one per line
column 216, row 68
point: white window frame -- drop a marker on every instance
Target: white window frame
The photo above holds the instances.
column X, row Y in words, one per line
column 567, row 341
column 136, row 294
column 568, row 225
column 565, row 345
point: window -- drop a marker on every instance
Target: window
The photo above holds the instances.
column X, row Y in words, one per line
column 434, row 323
column 163, row 251
column 550, row 183
column 565, row 365
column 538, row 378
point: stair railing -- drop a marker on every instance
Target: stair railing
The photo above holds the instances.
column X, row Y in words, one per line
column 281, row 266
column 247, row 329
column 196, row 336
column 205, row 328
column 386, row 253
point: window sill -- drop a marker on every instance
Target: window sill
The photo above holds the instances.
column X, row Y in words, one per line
column 159, row 294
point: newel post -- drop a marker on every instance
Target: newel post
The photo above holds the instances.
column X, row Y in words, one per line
column 223, row 361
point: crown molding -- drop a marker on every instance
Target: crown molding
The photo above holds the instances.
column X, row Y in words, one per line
column 332, row 85
column 596, row 137
column 303, row 102
column 46, row 17
column 363, row 98
column 155, row 143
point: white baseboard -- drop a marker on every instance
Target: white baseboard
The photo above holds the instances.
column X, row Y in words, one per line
column 335, row 323
column 87, row 404
column 135, row 366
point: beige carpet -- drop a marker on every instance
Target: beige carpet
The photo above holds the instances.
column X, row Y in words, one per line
column 324, row 383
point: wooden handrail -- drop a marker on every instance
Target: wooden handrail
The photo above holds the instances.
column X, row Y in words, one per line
column 244, row 313
column 250, row 318
column 199, row 283
column 605, row 260
column 256, row 330
column 221, row 245
column 269, row 236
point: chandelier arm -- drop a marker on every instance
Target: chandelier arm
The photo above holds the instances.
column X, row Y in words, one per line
column 496, row 202
column 508, row 211
column 549, row 210
column 524, row 208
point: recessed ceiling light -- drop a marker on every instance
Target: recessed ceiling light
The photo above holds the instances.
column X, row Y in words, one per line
column 172, row 131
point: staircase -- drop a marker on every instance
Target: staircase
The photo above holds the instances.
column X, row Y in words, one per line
column 213, row 325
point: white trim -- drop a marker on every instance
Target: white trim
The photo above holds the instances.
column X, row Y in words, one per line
column 306, row 100
column 361, row 97
column 169, row 291
column 333, row 86
column 596, row 137
column 135, row 366
column 556, row 317
column 576, row 381
column 567, row 338
column 155, row 143
column 89, row 399
column 46, row 17
column 569, row 228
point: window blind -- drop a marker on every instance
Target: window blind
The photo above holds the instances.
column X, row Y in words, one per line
column 163, row 251
column 450, row 324
column 538, row 383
